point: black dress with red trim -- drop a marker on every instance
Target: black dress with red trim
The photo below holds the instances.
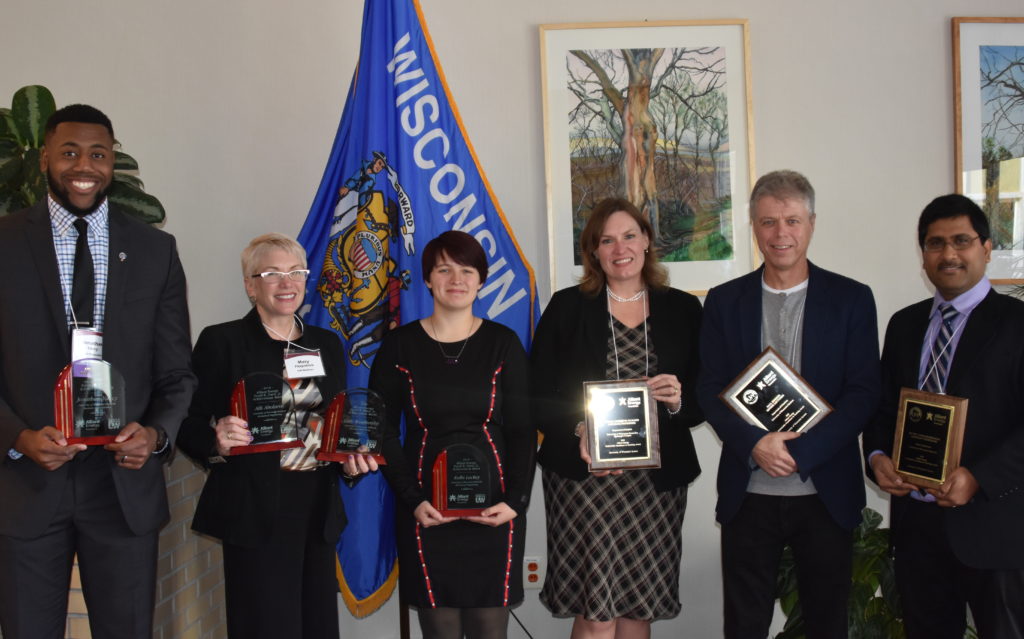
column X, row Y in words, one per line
column 448, row 393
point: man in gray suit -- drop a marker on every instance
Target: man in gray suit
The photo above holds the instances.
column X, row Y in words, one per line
column 81, row 279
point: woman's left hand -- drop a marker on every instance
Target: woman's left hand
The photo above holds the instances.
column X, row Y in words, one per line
column 357, row 464
column 666, row 388
column 495, row 515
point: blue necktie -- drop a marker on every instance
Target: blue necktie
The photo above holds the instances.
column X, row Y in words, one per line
column 942, row 352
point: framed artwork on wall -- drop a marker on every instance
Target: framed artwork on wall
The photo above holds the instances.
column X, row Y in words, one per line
column 988, row 80
column 658, row 113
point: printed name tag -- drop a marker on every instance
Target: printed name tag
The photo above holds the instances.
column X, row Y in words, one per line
column 86, row 343
column 300, row 365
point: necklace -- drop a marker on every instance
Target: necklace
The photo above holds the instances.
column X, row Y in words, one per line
column 617, row 298
column 615, row 342
column 451, row 360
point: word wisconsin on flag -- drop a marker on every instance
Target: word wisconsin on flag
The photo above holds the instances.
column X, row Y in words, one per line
column 401, row 171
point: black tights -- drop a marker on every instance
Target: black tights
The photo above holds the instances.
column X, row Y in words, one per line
column 468, row 623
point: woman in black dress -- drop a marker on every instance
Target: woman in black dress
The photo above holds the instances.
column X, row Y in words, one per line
column 278, row 513
column 614, row 540
column 457, row 379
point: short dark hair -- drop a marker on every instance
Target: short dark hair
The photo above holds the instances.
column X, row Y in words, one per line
column 81, row 113
column 459, row 246
column 953, row 205
column 593, row 279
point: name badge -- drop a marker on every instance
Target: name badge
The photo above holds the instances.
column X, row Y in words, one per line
column 86, row 343
column 303, row 364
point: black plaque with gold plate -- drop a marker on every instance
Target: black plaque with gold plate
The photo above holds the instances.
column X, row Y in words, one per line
column 621, row 425
column 771, row 395
column 929, row 436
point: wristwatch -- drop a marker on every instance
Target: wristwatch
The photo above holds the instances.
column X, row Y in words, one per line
column 162, row 441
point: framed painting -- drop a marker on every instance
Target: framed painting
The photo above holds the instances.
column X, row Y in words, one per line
column 658, row 113
column 988, row 79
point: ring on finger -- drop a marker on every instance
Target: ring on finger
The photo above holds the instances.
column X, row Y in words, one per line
column 124, row 458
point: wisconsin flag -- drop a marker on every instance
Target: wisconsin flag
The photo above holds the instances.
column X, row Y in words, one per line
column 401, row 171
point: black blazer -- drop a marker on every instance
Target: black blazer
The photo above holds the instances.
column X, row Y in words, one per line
column 145, row 336
column 839, row 359
column 570, row 347
column 239, row 502
column 988, row 369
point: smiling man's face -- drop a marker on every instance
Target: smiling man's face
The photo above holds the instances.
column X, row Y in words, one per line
column 783, row 229
column 78, row 160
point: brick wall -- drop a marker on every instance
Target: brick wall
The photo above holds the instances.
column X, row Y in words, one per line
column 190, row 579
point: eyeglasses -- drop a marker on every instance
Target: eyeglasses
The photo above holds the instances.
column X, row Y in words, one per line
column 298, row 275
column 958, row 242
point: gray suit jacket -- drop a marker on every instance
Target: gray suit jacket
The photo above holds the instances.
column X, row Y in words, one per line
column 146, row 338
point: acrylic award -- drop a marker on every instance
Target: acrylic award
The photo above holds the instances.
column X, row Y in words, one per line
column 266, row 402
column 353, row 426
column 88, row 402
column 462, row 481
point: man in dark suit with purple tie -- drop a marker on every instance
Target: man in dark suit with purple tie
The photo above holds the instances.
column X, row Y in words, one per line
column 72, row 262
column 961, row 544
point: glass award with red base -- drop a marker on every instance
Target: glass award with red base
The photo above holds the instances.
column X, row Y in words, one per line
column 353, row 426
column 267, row 404
column 462, row 481
column 88, row 402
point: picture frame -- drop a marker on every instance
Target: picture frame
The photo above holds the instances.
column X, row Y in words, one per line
column 989, row 133
column 694, row 181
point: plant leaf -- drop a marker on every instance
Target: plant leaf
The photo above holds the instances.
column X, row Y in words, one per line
column 124, row 162
column 10, row 168
column 34, row 183
column 7, row 128
column 30, row 108
column 136, row 203
column 130, row 179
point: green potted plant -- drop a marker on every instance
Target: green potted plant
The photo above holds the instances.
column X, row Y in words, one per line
column 23, row 184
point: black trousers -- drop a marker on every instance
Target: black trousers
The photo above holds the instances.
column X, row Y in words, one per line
column 288, row 586
column 752, row 545
column 118, row 567
column 936, row 588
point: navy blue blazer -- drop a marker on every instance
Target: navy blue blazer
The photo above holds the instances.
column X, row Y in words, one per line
column 839, row 359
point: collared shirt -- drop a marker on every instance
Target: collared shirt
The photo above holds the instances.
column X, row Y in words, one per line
column 964, row 303
column 64, row 238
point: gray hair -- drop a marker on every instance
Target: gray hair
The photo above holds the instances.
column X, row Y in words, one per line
column 260, row 246
column 783, row 185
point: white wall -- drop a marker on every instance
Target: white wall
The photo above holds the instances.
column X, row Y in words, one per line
column 231, row 106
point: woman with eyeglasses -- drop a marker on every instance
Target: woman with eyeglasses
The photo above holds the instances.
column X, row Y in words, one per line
column 277, row 513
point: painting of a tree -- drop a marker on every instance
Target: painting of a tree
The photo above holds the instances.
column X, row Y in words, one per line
column 652, row 125
column 1002, row 113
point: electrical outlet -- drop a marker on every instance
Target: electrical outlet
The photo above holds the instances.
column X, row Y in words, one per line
column 534, row 569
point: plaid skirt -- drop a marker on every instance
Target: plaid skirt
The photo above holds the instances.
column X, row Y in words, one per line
column 614, row 545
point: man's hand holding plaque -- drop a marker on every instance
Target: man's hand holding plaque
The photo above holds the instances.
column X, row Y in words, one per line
column 769, row 394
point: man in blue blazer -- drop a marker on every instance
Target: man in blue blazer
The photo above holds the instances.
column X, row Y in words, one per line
column 962, row 543
column 804, row 490
column 60, row 499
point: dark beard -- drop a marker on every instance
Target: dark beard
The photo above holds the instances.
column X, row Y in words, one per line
column 60, row 194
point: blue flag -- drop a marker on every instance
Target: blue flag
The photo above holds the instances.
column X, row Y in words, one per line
column 401, row 171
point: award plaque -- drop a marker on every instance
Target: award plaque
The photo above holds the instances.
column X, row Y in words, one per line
column 622, row 425
column 462, row 481
column 353, row 426
column 929, row 436
column 771, row 395
column 88, row 402
column 266, row 402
